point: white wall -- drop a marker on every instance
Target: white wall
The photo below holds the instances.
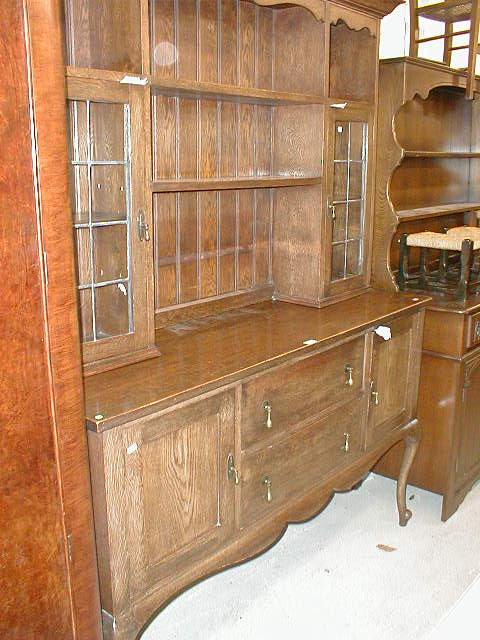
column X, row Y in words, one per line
column 395, row 36
column 394, row 33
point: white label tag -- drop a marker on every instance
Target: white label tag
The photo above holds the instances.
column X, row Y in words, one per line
column 309, row 342
column 338, row 105
column 384, row 332
column 132, row 448
column 128, row 79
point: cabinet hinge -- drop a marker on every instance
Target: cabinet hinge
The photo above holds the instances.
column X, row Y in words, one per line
column 69, row 547
column 45, row 267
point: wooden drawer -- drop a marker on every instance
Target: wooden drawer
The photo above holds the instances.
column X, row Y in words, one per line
column 299, row 462
column 301, row 391
column 473, row 330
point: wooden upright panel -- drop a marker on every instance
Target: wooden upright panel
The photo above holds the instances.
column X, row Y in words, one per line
column 43, row 472
column 102, row 35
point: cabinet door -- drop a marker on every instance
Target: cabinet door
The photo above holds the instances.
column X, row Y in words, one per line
column 469, row 446
column 394, row 377
column 349, row 200
column 109, row 205
column 168, row 498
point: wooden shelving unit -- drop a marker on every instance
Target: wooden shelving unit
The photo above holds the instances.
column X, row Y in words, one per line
column 428, row 180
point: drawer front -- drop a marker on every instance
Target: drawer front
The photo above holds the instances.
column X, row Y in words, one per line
column 277, row 474
column 473, row 330
column 278, row 400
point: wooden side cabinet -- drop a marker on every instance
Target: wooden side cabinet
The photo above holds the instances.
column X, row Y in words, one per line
column 448, row 459
column 184, row 490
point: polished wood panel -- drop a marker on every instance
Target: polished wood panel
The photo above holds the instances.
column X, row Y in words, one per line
column 209, row 246
column 423, row 182
column 262, row 334
column 353, row 76
column 439, row 114
column 100, row 38
column 48, row 92
column 43, row 442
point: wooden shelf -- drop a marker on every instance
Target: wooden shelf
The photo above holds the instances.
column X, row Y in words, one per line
column 437, row 210
column 449, row 11
column 210, row 90
column 217, row 184
column 442, row 154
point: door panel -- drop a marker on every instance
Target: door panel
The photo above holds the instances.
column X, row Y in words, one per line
column 391, row 378
column 107, row 183
column 349, row 195
column 169, row 500
column 469, row 447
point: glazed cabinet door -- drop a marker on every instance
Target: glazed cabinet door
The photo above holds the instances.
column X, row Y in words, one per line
column 394, row 376
column 349, row 200
column 468, row 460
column 111, row 216
column 168, row 498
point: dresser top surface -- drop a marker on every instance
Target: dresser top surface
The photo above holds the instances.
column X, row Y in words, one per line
column 207, row 353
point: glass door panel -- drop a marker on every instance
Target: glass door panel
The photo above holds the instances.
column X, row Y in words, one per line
column 348, row 203
column 107, row 153
column 100, row 156
column 349, row 194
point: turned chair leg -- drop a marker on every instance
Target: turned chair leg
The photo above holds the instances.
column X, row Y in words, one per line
column 403, row 263
column 443, row 266
column 423, row 271
column 411, row 441
column 465, row 267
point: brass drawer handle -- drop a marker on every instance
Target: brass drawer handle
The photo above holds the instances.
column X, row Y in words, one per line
column 232, row 471
column 267, row 407
column 374, row 394
column 346, row 443
column 349, row 374
column 268, row 485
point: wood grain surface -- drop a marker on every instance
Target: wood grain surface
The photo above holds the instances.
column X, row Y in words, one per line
column 207, row 353
column 44, row 474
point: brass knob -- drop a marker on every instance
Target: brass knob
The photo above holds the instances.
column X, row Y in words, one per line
column 267, row 407
column 349, row 374
column 268, row 484
column 333, row 213
column 346, row 443
column 374, row 394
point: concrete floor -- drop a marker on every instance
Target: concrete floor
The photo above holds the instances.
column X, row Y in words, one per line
column 327, row 578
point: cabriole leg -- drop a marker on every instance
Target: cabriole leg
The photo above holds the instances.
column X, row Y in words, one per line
column 411, row 442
